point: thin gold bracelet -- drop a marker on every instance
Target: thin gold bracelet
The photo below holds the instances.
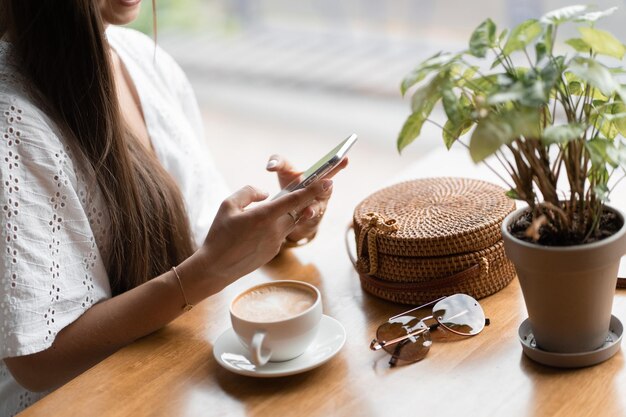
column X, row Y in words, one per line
column 187, row 306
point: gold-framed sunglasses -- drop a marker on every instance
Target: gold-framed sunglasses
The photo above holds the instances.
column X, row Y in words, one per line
column 407, row 337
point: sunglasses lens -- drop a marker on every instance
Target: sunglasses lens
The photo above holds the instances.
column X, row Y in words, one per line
column 460, row 314
column 413, row 348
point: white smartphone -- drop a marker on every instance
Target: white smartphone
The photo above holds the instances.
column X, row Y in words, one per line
column 322, row 167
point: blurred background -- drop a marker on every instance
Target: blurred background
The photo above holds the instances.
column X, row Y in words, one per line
column 295, row 77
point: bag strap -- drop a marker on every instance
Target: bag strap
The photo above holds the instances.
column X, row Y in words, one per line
column 470, row 273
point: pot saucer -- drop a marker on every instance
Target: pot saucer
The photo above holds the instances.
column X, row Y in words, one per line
column 572, row 360
column 232, row 355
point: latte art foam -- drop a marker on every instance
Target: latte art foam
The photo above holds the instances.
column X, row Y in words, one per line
column 273, row 303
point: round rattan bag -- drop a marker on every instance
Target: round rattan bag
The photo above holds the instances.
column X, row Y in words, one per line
column 423, row 239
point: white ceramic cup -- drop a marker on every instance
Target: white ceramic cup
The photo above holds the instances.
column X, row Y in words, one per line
column 282, row 339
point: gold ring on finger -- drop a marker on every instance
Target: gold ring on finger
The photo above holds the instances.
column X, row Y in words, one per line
column 294, row 215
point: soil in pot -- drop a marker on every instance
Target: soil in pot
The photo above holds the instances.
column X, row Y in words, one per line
column 610, row 223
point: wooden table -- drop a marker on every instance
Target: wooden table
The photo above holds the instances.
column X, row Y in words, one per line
column 173, row 373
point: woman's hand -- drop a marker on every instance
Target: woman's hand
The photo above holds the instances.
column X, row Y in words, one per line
column 243, row 238
column 311, row 215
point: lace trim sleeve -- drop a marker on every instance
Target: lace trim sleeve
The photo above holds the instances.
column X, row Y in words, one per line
column 51, row 268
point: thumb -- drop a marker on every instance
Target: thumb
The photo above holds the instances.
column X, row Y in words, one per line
column 244, row 196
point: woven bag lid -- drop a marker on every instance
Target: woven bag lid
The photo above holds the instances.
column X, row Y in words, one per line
column 435, row 216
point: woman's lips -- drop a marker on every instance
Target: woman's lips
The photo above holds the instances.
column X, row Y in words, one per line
column 129, row 3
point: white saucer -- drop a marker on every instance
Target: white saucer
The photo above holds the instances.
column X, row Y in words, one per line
column 230, row 353
column 572, row 360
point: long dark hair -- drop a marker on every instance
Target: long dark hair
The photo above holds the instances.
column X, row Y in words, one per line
column 59, row 45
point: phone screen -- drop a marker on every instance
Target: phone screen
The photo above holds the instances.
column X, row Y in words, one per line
column 322, row 167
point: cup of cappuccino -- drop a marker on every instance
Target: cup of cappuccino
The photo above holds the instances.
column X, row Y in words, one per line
column 277, row 321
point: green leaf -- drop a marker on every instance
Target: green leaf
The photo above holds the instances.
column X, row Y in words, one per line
column 541, row 51
column 411, row 130
column 497, row 130
column 607, row 128
column 513, row 194
column 562, row 134
column 602, row 192
column 619, row 110
column 594, row 73
column 459, row 115
column 609, row 118
column 531, row 89
column 422, row 103
column 565, row 14
column 576, row 88
column 425, row 97
column 573, row 83
column 599, row 176
column 516, row 92
column 545, row 44
column 594, row 16
column 483, row 38
column 466, row 76
column 614, row 117
column 617, row 70
column 602, row 42
column 579, row 45
column 598, row 152
column 522, row 35
column 525, row 123
column 483, row 84
column 490, row 134
column 432, row 64
column 453, row 132
column 548, row 38
column 452, row 105
column 499, row 60
column 502, row 35
column 617, row 153
column 550, row 74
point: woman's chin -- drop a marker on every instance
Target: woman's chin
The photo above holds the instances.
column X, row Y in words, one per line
column 120, row 12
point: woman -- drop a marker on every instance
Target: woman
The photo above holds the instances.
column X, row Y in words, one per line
column 108, row 195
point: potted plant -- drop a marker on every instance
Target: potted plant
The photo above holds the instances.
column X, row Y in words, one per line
column 554, row 118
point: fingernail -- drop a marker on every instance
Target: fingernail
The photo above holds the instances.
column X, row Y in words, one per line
column 326, row 184
column 272, row 163
column 313, row 213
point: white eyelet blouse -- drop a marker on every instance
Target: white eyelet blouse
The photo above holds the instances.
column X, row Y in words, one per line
column 54, row 240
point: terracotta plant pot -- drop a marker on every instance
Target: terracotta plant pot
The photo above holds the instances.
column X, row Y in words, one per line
column 568, row 290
